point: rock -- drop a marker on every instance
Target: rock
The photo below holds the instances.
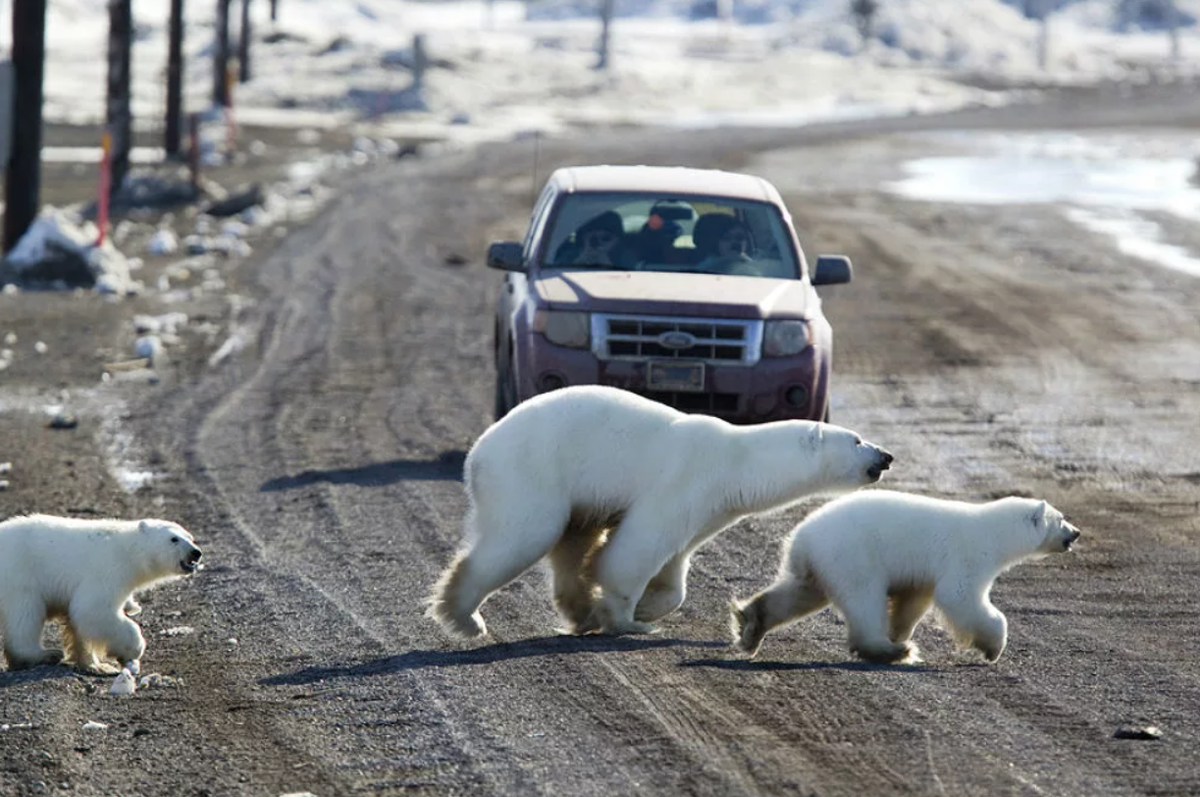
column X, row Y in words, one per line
column 236, row 203
column 1143, row 732
column 123, row 684
column 63, row 420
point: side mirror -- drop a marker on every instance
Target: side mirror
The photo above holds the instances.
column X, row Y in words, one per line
column 506, row 256
column 832, row 270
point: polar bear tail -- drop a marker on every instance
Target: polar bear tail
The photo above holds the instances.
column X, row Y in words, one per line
column 446, row 604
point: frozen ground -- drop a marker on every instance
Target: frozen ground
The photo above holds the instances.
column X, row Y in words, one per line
column 504, row 68
column 1113, row 183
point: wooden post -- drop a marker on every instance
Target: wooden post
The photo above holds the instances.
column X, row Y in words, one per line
column 118, row 116
column 606, row 14
column 221, row 54
column 194, row 151
column 419, row 61
column 104, row 194
column 244, row 44
column 172, row 132
column 22, row 183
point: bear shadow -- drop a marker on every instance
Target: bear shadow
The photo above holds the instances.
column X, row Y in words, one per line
column 760, row 665
column 488, row 654
column 447, row 467
column 43, row 672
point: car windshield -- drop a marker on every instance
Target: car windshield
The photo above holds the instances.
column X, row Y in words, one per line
column 684, row 233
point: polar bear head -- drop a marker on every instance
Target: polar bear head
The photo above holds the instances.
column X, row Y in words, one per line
column 797, row 459
column 843, row 460
column 169, row 548
column 1056, row 534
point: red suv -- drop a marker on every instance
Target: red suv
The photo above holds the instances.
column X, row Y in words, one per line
column 688, row 286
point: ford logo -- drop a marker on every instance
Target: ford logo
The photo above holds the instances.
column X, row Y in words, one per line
column 676, row 340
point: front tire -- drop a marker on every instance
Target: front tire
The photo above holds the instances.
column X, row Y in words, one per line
column 505, row 398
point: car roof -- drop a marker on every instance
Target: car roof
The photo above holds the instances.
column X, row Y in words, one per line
column 665, row 179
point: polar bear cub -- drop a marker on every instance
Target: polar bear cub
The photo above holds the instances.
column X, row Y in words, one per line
column 85, row 573
column 618, row 491
column 883, row 558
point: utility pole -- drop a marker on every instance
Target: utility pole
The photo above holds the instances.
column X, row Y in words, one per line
column 173, row 131
column 221, row 55
column 22, row 183
column 244, row 45
column 606, row 14
column 118, row 116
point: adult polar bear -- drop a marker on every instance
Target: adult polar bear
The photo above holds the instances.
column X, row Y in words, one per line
column 865, row 551
column 84, row 572
column 619, row 491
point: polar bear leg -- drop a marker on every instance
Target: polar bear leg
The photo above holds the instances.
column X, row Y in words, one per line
column 99, row 628
column 574, row 584
column 973, row 620
column 666, row 591
column 629, row 559
column 512, row 543
column 908, row 607
column 866, row 615
column 21, row 625
column 786, row 601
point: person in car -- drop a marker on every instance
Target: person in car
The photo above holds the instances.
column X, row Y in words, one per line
column 598, row 239
column 723, row 243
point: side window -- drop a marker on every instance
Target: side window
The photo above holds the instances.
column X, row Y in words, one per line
column 538, row 220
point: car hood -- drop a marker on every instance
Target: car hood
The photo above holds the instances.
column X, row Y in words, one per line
column 659, row 293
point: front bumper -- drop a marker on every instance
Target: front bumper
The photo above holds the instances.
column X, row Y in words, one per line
column 772, row 389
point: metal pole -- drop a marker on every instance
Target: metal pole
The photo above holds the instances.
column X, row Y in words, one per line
column 22, row 184
column 173, row 132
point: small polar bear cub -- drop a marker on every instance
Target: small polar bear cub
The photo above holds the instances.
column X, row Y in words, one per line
column 618, row 491
column 85, row 573
column 883, row 558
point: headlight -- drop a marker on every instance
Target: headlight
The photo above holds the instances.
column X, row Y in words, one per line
column 785, row 338
column 563, row 328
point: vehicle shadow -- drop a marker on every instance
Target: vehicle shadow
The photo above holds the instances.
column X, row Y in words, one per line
column 758, row 665
column 447, row 467
column 489, row 654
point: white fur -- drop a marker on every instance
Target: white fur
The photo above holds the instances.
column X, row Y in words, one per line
column 877, row 549
column 84, row 572
column 619, row 491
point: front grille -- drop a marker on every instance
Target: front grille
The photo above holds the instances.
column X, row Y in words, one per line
column 708, row 403
column 640, row 338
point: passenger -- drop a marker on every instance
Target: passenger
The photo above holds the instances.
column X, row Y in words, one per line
column 723, row 242
column 598, row 239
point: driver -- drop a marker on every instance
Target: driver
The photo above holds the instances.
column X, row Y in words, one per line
column 598, row 240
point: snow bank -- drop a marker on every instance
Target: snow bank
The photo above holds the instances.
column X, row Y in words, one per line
column 59, row 248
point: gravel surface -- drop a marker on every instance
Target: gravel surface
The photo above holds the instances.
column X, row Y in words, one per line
column 993, row 350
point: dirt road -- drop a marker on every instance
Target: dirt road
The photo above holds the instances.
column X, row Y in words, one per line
column 994, row 350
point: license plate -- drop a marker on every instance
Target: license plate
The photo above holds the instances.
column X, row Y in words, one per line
column 688, row 377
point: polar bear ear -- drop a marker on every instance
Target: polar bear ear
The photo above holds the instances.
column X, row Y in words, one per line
column 143, row 526
column 1039, row 514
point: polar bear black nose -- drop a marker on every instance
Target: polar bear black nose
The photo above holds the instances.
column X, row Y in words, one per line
column 888, row 459
column 194, row 555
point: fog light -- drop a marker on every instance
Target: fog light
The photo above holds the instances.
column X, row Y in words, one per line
column 550, row 381
column 796, row 395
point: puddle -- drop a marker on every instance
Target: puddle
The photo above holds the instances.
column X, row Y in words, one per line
column 1107, row 182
